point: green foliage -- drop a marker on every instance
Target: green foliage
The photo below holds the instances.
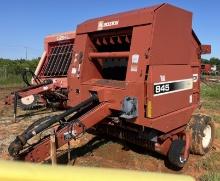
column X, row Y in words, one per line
column 10, row 70
column 212, row 91
column 16, row 66
column 210, row 176
column 205, row 61
column 214, row 61
column 211, row 96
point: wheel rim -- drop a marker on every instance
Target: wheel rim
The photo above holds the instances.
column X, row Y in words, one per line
column 207, row 132
column 27, row 100
column 182, row 159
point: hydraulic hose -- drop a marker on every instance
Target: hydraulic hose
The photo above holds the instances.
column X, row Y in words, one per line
column 17, row 145
column 25, row 77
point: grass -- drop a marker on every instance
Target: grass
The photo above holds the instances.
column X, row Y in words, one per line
column 210, row 162
column 11, row 80
column 212, row 91
column 211, row 97
column 211, row 104
column 210, row 176
column 217, row 133
column 216, row 117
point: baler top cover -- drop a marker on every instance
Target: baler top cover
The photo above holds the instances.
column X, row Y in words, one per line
column 119, row 20
column 165, row 27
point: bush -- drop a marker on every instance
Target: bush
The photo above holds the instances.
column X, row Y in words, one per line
column 10, row 71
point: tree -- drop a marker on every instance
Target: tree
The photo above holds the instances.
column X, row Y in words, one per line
column 205, row 61
column 214, row 61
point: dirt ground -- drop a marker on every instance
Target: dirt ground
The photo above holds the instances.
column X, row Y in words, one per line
column 99, row 152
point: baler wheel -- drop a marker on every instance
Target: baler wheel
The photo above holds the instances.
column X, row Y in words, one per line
column 175, row 154
column 28, row 103
column 203, row 132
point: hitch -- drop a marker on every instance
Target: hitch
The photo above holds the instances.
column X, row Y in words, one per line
column 17, row 145
column 70, row 129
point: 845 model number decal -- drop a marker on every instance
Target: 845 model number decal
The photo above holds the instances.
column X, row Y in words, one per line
column 168, row 87
column 161, row 88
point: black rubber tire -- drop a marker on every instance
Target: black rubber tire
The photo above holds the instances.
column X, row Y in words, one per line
column 197, row 125
column 175, row 154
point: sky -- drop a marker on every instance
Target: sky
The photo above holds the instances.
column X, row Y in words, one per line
column 25, row 23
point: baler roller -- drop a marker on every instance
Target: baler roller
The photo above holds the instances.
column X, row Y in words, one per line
column 109, row 55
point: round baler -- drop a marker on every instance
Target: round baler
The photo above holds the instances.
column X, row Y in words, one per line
column 134, row 76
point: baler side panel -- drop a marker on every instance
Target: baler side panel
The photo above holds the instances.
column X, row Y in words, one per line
column 171, row 91
column 172, row 120
column 138, row 59
column 73, row 81
column 171, row 36
column 80, row 71
column 195, row 65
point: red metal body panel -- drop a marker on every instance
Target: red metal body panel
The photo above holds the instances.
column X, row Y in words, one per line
column 130, row 18
column 169, row 50
column 59, row 37
column 50, row 87
column 172, row 31
column 206, row 69
column 174, row 101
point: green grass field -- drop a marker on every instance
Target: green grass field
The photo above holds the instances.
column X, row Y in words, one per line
column 210, row 96
column 211, row 91
column 11, row 81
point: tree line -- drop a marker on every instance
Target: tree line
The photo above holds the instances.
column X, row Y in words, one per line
column 18, row 65
column 212, row 61
column 11, row 70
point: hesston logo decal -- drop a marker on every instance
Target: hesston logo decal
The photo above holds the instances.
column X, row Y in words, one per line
column 102, row 24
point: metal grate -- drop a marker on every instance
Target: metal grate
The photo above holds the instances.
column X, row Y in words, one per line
column 112, row 41
column 107, row 42
column 58, row 60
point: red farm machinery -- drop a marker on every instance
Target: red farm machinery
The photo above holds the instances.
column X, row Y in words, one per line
column 134, row 76
column 206, row 69
column 48, row 86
